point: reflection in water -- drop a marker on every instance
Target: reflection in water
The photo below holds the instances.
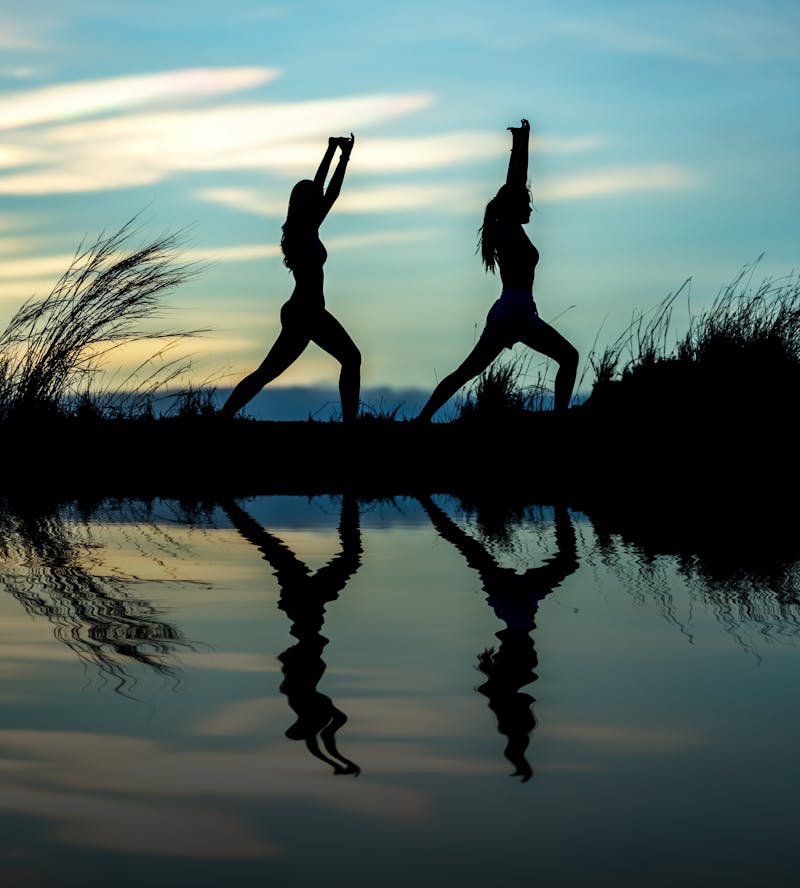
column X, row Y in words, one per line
column 95, row 616
column 303, row 597
column 744, row 564
column 514, row 598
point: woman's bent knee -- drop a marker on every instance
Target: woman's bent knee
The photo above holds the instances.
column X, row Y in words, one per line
column 570, row 357
column 352, row 360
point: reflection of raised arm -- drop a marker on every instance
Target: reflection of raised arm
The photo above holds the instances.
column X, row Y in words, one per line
column 544, row 578
column 288, row 567
column 342, row 566
column 565, row 561
column 474, row 553
column 286, row 564
column 518, row 162
column 345, row 144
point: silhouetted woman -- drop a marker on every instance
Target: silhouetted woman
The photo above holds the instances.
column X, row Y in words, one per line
column 304, row 317
column 303, row 598
column 513, row 317
column 515, row 600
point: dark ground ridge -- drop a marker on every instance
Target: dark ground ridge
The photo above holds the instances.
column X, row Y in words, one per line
column 583, row 455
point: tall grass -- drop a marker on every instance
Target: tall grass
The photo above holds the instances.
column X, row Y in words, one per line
column 53, row 349
column 741, row 352
column 500, row 393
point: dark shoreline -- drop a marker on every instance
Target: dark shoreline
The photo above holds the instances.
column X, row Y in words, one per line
column 581, row 457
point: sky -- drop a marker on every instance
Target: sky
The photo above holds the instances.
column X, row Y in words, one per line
column 666, row 141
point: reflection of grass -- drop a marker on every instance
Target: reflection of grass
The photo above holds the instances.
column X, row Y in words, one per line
column 52, row 349
column 52, row 571
column 744, row 571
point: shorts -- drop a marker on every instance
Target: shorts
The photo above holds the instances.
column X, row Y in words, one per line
column 512, row 318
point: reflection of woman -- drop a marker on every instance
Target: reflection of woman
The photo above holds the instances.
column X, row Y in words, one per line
column 303, row 597
column 304, row 317
column 515, row 600
column 513, row 317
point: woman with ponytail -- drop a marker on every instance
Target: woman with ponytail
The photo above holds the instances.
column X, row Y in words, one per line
column 304, row 317
column 513, row 317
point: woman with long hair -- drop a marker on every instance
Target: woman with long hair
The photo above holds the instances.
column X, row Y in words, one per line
column 304, row 317
column 504, row 245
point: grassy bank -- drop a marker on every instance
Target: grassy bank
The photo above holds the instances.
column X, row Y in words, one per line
column 712, row 410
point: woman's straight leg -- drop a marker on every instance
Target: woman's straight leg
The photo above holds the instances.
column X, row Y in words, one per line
column 331, row 336
column 287, row 348
column 484, row 352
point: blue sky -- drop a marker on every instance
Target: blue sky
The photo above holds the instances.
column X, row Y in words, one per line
column 666, row 146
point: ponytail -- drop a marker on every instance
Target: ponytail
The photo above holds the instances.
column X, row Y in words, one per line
column 488, row 233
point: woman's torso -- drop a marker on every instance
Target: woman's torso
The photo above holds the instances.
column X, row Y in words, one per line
column 517, row 258
column 307, row 256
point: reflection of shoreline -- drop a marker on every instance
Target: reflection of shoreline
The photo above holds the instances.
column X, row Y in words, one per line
column 515, row 600
column 744, row 563
column 93, row 616
column 303, row 598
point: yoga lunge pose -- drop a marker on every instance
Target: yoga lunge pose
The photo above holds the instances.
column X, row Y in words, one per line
column 513, row 317
column 304, row 317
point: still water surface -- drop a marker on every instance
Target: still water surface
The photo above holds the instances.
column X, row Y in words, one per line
column 294, row 691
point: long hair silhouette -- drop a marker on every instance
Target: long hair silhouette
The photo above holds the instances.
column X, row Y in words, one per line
column 514, row 598
column 303, row 597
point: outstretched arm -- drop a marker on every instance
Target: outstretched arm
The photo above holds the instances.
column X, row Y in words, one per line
column 475, row 554
column 518, row 162
column 325, row 164
column 287, row 566
column 565, row 560
column 334, row 575
column 335, row 185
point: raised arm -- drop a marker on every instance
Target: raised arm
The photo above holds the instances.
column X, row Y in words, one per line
column 335, row 185
column 475, row 554
column 325, row 164
column 518, row 162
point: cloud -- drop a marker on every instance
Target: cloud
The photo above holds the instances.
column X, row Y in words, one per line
column 72, row 100
column 620, row 180
column 144, row 148
column 457, row 196
column 39, row 266
column 15, row 36
column 250, row 252
column 450, row 197
column 133, row 131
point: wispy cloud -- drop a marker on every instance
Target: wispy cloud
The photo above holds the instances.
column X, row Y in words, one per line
column 14, row 35
column 251, row 252
column 71, row 100
column 450, row 197
column 619, row 180
column 459, row 197
column 39, row 271
column 139, row 130
column 122, row 150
